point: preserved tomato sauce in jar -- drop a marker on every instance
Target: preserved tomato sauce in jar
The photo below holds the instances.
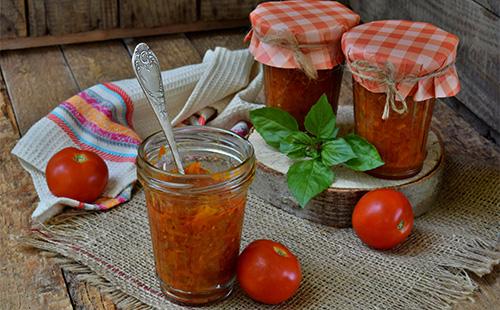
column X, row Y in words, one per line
column 291, row 90
column 399, row 68
column 301, row 56
column 196, row 219
column 401, row 140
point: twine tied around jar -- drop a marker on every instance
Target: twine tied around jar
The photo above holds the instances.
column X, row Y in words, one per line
column 386, row 76
column 286, row 39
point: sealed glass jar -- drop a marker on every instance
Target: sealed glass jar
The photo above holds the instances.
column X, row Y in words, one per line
column 399, row 68
column 301, row 55
column 196, row 219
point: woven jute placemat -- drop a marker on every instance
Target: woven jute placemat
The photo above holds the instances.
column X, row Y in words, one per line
column 112, row 250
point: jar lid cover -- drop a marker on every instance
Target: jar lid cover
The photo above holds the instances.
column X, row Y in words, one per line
column 417, row 58
column 315, row 26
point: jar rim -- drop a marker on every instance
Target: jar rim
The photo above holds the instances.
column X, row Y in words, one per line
column 142, row 152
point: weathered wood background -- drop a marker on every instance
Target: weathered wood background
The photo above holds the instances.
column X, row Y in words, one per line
column 21, row 18
column 26, row 23
column 35, row 23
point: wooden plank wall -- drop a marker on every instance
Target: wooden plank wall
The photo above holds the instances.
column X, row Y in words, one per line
column 36, row 23
column 154, row 13
column 49, row 17
column 35, row 18
column 226, row 9
column 12, row 19
column 477, row 23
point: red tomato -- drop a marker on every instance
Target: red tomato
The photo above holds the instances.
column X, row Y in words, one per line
column 383, row 218
column 77, row 174
column 268, row 272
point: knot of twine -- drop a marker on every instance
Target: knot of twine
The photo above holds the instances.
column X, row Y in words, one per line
column 287, row 40
column 386, row 76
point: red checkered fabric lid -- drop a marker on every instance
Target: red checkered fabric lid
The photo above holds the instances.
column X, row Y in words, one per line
column 418, row 57
column 315, row 26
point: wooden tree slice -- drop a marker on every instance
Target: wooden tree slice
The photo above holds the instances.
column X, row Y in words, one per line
column 334, row 206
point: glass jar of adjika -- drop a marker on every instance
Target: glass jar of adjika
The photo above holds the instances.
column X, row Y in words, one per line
column 298, row 42
column 399, row 68
column 196, row 218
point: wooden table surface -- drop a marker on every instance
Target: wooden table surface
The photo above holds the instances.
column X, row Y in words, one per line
column 33, row 81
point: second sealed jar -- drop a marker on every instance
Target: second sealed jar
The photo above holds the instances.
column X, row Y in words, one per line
column 399, row 68
column 298, row 43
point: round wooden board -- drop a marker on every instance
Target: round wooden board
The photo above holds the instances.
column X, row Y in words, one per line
column 334, row 206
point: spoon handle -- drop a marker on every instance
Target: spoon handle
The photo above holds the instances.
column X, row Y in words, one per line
column 147, row 70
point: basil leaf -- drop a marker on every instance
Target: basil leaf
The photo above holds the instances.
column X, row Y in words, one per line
column 312, row 152
column 320, row 120
column 296, row 144
column 273, row 124
column 308, row 178
column 367, row 156
column 336, row 152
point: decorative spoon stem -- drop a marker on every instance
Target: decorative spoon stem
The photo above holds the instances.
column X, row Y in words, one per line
column 147, row 70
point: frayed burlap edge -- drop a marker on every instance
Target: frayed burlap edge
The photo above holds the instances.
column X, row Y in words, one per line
column 479, row 256
column 445, row 289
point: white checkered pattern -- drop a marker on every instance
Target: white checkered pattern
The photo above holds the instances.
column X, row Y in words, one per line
column 312, row 22
column 414, row 49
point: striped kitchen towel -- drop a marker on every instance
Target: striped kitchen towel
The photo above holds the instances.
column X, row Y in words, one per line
column 97, row 119
column 111, row 119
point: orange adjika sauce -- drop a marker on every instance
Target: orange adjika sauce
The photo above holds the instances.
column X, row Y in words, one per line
column 291, row 90
column 196, row 238
column 401, row 140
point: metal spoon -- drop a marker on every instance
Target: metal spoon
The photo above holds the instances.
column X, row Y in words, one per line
column 147, row 70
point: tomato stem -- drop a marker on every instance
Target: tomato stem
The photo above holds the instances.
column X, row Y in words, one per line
column 80, row 158
column 401, row 225
column 280, row 251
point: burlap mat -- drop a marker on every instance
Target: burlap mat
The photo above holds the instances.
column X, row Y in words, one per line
column 112, row 250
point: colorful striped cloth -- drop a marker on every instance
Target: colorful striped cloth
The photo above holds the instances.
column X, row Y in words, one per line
column 100, row 119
